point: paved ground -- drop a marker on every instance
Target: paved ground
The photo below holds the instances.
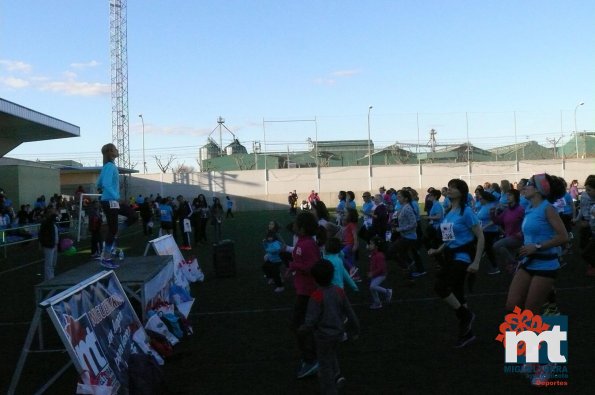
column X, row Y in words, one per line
column 242, row 343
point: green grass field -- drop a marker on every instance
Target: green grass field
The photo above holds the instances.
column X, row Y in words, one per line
column 243, row 345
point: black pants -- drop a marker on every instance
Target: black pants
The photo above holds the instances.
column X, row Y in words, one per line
column 111, row 216
column 451, row 279
column 402, row 249
column 229, row 213
column 95, row 242
column 326, row 350
column 305, row 340
column 490, row 238
column 185, row 237
column 272, row 270
column 146, row 230
column 201, row 231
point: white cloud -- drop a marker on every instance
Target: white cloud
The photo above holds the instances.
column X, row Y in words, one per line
column 13, row 82
column 331, row 78
column 75, row 88
column 92, row 63
column 325, row 81
column 345, row 73
column 16, row 65
column 180, row 131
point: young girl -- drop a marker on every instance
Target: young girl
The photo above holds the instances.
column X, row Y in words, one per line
column 350, row 241
column 332, row 253
column 272, row 260
column 377, row 273
column 305, row 254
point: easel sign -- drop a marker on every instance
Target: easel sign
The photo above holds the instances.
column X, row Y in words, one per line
column 166, row 245
column 97, row 325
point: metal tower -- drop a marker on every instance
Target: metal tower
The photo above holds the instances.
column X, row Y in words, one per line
column 119, row 77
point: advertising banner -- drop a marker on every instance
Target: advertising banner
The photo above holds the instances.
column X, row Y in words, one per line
column 97, row 324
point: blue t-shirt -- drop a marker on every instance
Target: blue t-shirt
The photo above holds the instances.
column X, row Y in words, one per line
column 436, row 209
column 229, row 204
column 477, row 206
column 537, row 230
column 457, row 231
column 340, row 275
column 109, row 182
column 272, row 248
column 484, row 217
column 167, row 213
column 415, row 207
column 504, row 199
column 446, row 203
column 350, row 204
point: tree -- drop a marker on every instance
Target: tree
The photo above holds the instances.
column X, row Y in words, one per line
column 181, row 168
column 164, row 165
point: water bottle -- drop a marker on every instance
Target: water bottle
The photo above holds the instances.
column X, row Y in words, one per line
column 121, row 254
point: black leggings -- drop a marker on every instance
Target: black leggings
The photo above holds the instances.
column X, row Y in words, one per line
column 490, row 238
column 451, row 279
column 111, row 216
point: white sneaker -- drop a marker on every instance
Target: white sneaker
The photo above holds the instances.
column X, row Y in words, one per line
column 279, row 289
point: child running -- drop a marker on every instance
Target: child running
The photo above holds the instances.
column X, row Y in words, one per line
column 350, row 241
column 377, row 273
column 327, row 307
column 305, row 254
column 272, row 260
column 332, row 253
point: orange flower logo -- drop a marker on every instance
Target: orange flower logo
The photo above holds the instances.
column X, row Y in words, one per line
column 520, row 321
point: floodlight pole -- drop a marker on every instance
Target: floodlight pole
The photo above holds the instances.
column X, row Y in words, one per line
column 575, row 128
column 144, row 161
column 369, row 152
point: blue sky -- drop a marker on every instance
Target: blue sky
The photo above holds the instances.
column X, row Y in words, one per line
column 444, row 62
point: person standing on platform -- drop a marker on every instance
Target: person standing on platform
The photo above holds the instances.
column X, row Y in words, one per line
column 108, row 184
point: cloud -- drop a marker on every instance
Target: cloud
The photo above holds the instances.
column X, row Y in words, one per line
column 345, row 73
column 331, row 78
column 13, row 82
column 92, row 63
column 172, row 130
column 325, row 81
column 76, row 88
column 15, row 65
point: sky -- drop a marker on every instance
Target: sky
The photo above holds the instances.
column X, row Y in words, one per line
column 493, row 72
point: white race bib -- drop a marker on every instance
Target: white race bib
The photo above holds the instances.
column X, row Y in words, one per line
column 187, row 226
column 114, row 204
column 447, row 229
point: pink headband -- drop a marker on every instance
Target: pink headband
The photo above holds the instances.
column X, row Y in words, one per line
column 542, row 184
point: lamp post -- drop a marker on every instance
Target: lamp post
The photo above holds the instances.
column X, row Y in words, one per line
column 369, row 152
column 575, row 128
column 144, row 161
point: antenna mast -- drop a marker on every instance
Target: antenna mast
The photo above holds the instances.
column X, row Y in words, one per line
column 119, row 84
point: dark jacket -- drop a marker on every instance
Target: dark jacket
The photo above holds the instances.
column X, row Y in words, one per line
column 47, row 233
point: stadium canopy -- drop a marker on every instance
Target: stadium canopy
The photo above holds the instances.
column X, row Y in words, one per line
column 20, row 124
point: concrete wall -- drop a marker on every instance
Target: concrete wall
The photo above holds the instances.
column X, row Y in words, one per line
column 255, row 190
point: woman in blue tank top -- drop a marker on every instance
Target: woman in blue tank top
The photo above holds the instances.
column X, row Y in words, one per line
column 543, row 233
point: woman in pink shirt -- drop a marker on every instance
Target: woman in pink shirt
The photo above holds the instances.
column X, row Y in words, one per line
column 377, row 273
column 510, row 219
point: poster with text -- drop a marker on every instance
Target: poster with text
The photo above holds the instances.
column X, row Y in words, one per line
column 97, row 324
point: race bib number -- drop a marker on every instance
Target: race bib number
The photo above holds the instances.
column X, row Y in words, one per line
column 187, row 226
column 114, row 204
column 447, row 229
